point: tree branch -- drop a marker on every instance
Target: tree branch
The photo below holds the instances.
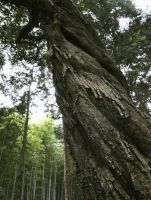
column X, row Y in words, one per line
column 35, row 38
column 24, row 3
column 24, row 33
column 39, row 4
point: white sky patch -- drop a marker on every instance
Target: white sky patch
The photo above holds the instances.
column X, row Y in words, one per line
column 124, row 23
column 145, row 5
column 38, row 111
column 5, row 101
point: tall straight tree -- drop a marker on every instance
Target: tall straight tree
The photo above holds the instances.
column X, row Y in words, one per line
column 109, row 139
column 22, row 157
column 19, row 186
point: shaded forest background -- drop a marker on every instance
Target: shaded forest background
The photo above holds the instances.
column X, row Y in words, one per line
column 29, row 79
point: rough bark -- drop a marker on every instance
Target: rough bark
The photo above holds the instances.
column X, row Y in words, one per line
column 109, row 139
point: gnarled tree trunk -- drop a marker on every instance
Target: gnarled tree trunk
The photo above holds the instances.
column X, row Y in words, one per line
column 109, row 139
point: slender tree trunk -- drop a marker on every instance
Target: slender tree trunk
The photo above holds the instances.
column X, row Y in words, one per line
column 43, row 182
column 2, row 147
column 30, row 184
column 23, row 186
column 55, row 183
column 27, row 191
column 50, row 182
column 14, row 182
column 35, row 184
column 62, row 191
column 67, row 181
column 7, row 191
column 21, row 163
column 109, row 139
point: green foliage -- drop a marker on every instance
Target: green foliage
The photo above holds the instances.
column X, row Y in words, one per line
column 10, row 130
column 130, row 47
column 44, row 158
column 134, row 47
column 42, row 139
column 22, row 57
column 104, row 17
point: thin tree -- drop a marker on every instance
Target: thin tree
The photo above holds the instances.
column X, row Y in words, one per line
column 109, row 139
column 50, row 183
column 34, row 184
column 21, row 163
column 22, row 157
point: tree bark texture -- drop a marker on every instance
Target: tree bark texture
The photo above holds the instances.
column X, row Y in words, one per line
column 109, row 139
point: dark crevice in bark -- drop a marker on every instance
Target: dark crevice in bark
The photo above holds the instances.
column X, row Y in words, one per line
column 106, row 106
column 96, row 53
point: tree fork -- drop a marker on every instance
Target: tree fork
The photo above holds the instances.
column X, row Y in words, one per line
column 109, row 139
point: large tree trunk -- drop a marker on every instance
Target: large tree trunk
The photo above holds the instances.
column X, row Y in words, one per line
column 109, row 139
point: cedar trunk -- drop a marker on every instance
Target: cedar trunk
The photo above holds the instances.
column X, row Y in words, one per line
column 109, row 139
